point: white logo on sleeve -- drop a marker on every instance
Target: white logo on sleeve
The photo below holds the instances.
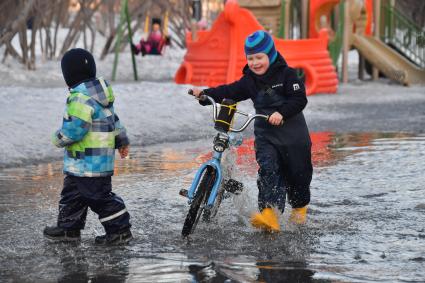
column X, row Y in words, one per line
column 296, row 86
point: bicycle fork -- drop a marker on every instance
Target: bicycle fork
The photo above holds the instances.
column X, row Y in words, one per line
column 215, row 163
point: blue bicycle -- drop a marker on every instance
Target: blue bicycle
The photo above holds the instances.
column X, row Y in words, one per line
column 208, row 188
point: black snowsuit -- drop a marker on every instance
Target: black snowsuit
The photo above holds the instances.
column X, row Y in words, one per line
column 282, row 152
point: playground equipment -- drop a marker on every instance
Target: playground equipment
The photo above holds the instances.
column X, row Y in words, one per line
column 157, row 45
column 270, row 14
column 217, row 57
column 125, row 20
column 320, row 16
column 388, row 61
column 386, row 50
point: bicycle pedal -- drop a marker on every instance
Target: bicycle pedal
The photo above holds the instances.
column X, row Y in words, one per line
column 184, row 193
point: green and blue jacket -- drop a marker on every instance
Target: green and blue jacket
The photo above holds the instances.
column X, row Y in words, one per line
column 91, row 131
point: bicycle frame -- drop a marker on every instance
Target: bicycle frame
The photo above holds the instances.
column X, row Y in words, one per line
column 215, row 162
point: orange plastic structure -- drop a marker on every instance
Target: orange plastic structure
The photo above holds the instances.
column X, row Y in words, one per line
column 217, row 56
column 320, row 16
column 369, row 16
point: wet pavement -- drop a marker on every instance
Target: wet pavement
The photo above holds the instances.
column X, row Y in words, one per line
column 366, row 220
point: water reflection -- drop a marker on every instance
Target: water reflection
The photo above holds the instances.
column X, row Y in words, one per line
column 80, row 263
column 207, row 273
column 274, row 272
column 366, row 219
column 169, row 158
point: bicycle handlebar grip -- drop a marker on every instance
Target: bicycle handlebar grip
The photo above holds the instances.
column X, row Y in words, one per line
column 225, row 116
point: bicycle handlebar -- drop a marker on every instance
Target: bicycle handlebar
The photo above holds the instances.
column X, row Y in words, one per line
column 249, row 119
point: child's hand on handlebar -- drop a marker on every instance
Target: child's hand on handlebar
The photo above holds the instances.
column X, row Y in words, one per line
column 195, row 92
column 276, row 119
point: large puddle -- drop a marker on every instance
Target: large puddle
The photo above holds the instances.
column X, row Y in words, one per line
column 366, row 220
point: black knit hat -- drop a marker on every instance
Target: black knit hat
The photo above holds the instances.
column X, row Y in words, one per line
column 156, row 21
column 77, row 66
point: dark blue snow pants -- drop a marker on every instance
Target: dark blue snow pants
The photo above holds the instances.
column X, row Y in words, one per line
column 79, row 193
column 284, row 170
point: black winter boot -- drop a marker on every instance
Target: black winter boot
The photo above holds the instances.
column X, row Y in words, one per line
column 118, row 238
column 61, row 234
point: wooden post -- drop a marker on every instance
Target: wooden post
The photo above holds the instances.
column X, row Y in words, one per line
column 287, row 15
column 282, row 21
column 346, row 41
column 118, row 40
column 196, row 17
column 165, row 28
column 124, row 18
column 130, row 40
column 304, row 18
column 361, row 66
column 376, row 31
column 147, row 25
column 194, row 29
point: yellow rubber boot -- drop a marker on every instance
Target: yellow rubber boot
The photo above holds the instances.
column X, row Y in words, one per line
column 298, row 215
column 266, row 220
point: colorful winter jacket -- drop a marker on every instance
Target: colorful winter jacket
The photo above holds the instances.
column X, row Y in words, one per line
column 91, row 131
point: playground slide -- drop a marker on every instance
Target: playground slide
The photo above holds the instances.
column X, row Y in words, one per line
column 389, row 62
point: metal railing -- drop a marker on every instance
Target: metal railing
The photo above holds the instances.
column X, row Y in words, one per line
column 403, row 35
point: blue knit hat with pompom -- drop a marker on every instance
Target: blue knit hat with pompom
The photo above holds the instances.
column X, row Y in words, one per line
column 261, row 42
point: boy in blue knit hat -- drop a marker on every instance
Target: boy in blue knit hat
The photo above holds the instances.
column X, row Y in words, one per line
column 90, row 133
column 282, row 144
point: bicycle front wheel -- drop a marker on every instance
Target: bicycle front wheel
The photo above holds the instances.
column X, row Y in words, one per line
column 201, row 198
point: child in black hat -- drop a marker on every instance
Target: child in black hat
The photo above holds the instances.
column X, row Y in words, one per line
column 90, row 133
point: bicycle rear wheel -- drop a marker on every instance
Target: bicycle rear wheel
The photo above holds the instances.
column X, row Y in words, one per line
column 201, row 198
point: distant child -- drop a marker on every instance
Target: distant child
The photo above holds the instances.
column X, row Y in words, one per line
column 90, row 133
column 154, row 43
column 283, row 151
